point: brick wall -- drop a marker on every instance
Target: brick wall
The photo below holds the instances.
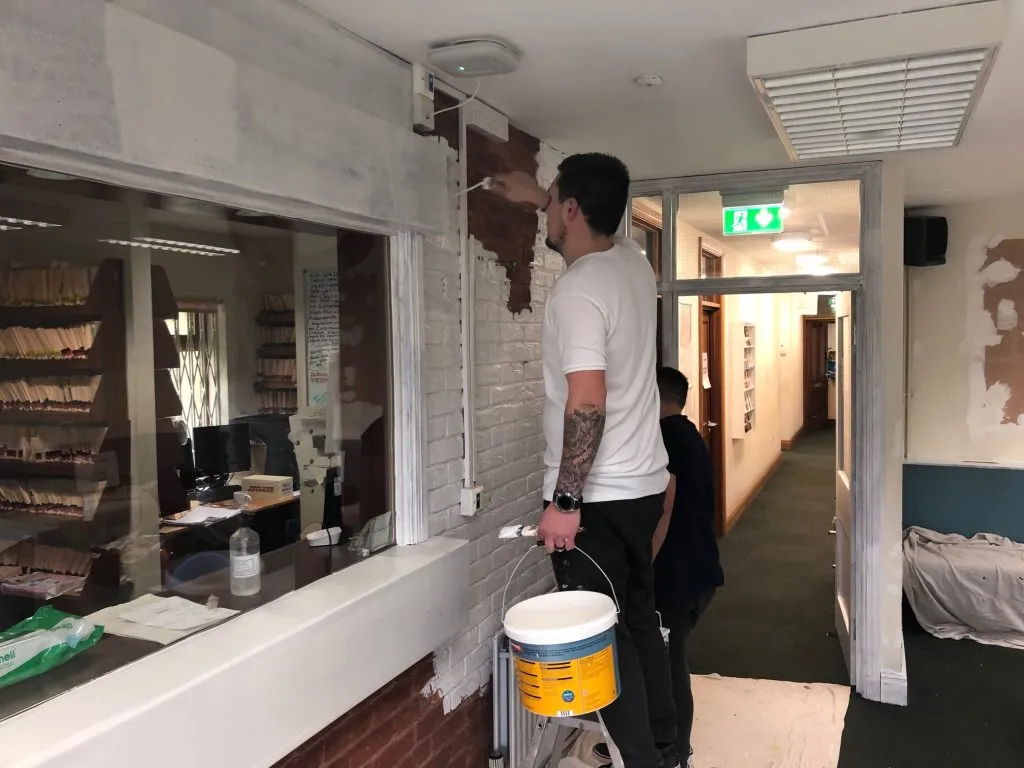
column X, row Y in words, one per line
column 399, row 727
column 438, row 713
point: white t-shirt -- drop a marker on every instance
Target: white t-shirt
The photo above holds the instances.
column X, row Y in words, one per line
column 602, row 315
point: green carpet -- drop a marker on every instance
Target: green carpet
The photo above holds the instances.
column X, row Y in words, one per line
column 774, row 616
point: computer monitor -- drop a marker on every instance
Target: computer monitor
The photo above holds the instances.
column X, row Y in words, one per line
column 221, row 450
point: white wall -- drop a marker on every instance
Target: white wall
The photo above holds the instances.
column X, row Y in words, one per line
column 949, row 420
column 510, row 442
column 789, row 318
column 255, row 95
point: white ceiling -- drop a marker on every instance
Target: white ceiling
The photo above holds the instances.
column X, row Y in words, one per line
column 575, row 87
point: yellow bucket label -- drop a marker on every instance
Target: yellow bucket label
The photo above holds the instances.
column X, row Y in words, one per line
column 567, row 680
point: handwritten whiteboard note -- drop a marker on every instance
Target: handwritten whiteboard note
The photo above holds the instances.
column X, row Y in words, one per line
column 323, row 330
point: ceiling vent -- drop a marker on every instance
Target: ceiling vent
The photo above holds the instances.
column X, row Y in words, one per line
column 887, row 84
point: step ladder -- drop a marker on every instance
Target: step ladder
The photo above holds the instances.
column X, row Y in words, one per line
column 547, row 747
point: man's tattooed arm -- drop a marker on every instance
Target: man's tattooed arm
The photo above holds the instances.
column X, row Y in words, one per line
column 584, row 427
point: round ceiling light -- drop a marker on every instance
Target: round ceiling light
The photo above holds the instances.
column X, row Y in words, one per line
column 793, row 243
column 649, row 81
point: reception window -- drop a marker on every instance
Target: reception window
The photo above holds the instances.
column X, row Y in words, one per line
column 186, row 393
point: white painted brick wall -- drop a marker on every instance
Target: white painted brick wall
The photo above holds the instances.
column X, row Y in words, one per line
column 510, row 443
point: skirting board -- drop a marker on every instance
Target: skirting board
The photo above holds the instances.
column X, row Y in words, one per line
column 894, row 685
column 737, row 513
column 787, row 445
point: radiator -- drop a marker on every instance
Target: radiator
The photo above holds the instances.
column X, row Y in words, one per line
column 515, row 728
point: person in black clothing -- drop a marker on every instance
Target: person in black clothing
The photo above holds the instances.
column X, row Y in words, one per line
column 687, row 571
column 686, row 568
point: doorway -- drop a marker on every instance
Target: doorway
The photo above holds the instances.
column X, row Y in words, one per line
column 711, row 387
column 819, row 382
column 792, row 231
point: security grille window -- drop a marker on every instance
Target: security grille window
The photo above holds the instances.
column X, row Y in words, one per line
column 196, row 333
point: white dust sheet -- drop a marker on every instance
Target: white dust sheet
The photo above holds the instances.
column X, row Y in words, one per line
column 742, row 723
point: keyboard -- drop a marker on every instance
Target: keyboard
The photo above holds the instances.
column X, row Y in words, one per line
column 215, row 493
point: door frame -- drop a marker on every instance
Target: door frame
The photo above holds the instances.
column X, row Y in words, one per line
column 868, row 583
column 807, row 320
column 714, row 307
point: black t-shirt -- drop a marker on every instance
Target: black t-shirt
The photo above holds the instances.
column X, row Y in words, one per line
column 688, row 563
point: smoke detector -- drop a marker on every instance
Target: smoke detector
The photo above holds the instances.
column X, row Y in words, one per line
column 478, row 57
column 893, row 83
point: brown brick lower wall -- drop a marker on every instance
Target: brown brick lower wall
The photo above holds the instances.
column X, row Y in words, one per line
column 399, row 727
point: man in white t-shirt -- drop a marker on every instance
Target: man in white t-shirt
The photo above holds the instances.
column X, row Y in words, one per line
column 606, row 462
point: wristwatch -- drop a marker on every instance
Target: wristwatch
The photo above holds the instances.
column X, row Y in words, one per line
column 566, row 502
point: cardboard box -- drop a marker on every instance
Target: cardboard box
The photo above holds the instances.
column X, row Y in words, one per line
column 264, row 489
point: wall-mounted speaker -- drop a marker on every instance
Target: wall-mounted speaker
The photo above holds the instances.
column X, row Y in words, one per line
column 925, row 239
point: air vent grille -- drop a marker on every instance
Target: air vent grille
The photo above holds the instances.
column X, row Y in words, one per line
column 912, row 103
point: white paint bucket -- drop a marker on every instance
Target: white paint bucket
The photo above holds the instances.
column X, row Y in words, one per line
column 565, row 652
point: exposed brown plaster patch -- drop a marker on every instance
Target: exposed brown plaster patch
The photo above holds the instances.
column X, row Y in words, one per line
column 1004, row 362
column 509, row 231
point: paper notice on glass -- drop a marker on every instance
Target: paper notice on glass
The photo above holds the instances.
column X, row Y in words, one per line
column 705, row 378
column 176, row 614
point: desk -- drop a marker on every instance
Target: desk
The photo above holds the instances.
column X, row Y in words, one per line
column 276, row 522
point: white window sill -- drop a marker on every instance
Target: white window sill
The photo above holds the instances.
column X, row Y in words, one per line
column 245, row 694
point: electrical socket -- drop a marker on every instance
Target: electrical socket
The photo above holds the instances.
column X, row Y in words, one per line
column 422, row 81
column 472, row 500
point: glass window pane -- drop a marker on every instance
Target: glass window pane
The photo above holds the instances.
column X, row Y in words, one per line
column 805, row 229
column 156, row 355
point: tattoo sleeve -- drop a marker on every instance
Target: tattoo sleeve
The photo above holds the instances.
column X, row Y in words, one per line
column 584, row 426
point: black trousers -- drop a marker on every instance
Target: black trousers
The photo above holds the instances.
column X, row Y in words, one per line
column 680, row 624
column 618, row 535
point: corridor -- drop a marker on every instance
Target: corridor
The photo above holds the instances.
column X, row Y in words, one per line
column 774, row 616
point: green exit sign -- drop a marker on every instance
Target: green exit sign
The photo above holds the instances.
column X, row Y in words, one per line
column 752, row 220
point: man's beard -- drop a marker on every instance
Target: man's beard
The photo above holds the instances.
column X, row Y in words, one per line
column 556, row 245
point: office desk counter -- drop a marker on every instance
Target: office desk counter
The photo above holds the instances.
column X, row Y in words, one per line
column 277, row 523
column 285, row 570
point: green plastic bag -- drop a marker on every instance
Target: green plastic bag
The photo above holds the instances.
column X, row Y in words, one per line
column 45, row 640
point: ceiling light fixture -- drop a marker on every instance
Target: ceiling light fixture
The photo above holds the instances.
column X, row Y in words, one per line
column 820, row 270
column 649, row 81
column 161, row 247
column 899, row 82
column 810, row 259
column 26, row 223
column 475, row 57
column 8, row 228
column 181, row 244
column 793, row 243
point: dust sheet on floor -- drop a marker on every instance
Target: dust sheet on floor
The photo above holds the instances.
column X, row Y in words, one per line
column 741, row 723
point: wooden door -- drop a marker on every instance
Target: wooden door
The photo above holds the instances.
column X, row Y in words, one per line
column 711, row 411
column 816, row 374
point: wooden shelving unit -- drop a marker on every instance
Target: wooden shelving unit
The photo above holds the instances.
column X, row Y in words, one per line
column 744, row 370
column 276, row 355
column 26, row 532
column 111, row 462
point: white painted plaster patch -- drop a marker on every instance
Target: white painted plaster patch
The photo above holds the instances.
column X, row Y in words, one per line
column 1006, row 315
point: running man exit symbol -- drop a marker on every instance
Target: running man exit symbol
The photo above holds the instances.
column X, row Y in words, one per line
column 752, row 220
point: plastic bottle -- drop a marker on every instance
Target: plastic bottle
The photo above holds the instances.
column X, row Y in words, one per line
column 244, row 554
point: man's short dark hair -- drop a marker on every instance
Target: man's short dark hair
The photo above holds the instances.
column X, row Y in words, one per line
column 600, row 185
column 673, row 386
